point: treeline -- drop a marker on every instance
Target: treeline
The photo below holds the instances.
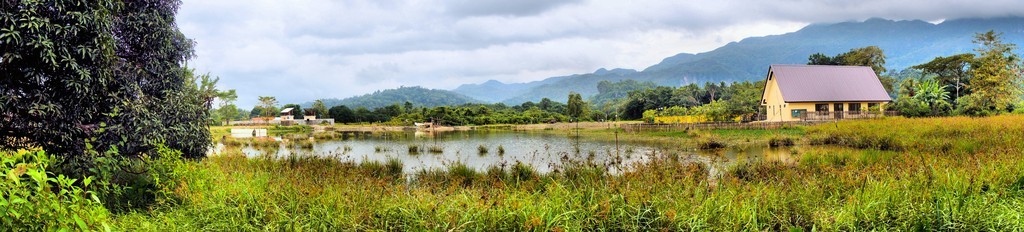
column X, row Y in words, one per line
column 987, row 82
column 715, row 102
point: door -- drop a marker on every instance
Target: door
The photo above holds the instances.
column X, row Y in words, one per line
column 838, row 110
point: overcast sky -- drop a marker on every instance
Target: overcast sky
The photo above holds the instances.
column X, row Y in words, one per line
column 301, row 50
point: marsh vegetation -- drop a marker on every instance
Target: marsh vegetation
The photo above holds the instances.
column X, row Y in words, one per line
column 845, row 176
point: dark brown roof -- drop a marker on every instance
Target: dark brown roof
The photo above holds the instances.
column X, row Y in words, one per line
column 827, row 83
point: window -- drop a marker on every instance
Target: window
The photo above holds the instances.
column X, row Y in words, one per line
column 799, row 113
column 855, row 107
column 872, row 106
column 822, row 109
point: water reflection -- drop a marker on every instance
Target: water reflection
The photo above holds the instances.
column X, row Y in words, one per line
column 545, row 152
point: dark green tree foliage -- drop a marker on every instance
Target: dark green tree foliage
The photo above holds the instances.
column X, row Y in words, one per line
column 105, row 73
column 257, row 111
column 739, row 99
column 822, row 59
column 342, row 114
column 575, row 107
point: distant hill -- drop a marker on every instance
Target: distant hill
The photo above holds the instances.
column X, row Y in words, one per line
column 906, row 43
column 418, row 96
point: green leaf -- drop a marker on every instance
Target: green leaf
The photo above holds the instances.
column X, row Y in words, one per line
column 18, row 200
column 81, row 224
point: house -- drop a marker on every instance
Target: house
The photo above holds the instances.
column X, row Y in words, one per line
column 822, row 92
column 286, row 114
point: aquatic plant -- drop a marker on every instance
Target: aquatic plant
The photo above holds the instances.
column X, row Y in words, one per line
column 482, row 149
column 414, row 149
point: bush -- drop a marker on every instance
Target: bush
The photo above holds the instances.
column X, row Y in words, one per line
column 33, row 200
column 780, row 142
column 126, row 184
column 709, row 143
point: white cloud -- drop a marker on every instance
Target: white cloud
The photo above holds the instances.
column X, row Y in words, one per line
column 307, row 49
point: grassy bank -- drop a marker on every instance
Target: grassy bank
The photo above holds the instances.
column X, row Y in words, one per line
column 910, row 180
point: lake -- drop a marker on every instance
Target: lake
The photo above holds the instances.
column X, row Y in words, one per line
column 544, row 151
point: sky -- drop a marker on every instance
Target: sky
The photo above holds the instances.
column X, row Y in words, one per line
column 302, row 50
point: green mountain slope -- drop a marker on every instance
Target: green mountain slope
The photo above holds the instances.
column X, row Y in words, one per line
column 418, row 96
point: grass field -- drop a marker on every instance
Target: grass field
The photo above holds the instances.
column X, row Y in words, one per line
column 904, row 174
column 954, row 173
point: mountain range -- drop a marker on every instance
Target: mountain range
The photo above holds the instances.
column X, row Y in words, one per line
column 906, row 43
column 418, row 96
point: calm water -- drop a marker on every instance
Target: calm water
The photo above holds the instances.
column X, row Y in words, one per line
column 545, row 152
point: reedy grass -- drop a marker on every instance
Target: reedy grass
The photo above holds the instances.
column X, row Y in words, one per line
column 414, row 149
column 482, row 149
column 976, row 184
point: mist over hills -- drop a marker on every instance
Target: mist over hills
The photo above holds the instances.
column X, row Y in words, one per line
column 906, row 43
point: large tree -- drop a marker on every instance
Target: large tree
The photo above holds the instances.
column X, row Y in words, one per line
column 227, row 109
column 342, row 114
column 320, row 109
column 575, row 107
column 995, row 77
column 98, row 75
column 268, row 106
column 952, row 72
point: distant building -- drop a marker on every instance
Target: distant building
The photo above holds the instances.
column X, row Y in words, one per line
column 286, row 114
column 822, row 92
column 286, row 119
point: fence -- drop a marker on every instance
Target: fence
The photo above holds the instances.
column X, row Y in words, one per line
column 640, row 127
column 844, row 115
column 810, row 118
column 310, row 122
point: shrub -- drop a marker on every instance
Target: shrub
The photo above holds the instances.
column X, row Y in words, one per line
column 32, row 199
column 414, row 149
column 501, row 150
column 482, row 149
column 302, row 144
column 435, row 149
column 709, row 143
column 780, row 142
column 125, row 184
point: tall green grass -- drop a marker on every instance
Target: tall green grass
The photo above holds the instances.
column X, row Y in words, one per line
column 977, row 183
